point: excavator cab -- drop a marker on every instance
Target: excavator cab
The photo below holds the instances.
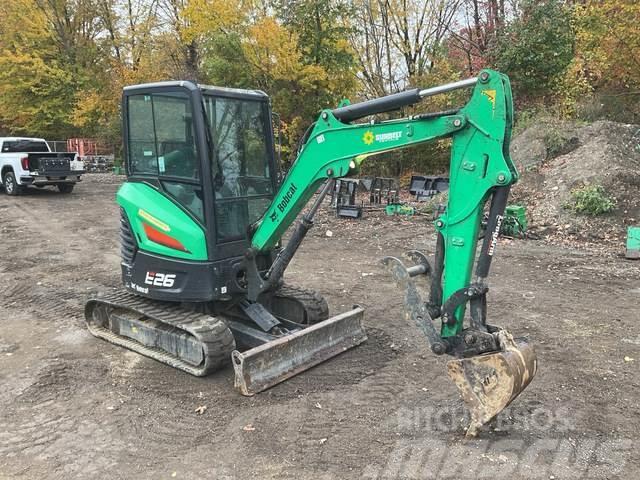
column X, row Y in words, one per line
column 209, row 153
column 201, row 172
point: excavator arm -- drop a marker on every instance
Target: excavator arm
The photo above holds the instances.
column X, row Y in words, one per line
column 490, row 368
column 480, row 164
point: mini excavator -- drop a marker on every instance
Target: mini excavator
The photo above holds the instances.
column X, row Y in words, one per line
column 203, row 217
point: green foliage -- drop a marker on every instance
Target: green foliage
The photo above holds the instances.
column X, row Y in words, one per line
column 525, row 118
column 63, row 63
column 322, row 29
column 608, row 42
column 36, row 83
column 591, row 200
column 559, row 141
column 554, row 141
column 299, row 57
column 537, row 47
column 225, row 63
column 572, row 88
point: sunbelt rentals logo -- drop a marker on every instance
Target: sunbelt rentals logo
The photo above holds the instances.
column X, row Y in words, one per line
column 369, row 137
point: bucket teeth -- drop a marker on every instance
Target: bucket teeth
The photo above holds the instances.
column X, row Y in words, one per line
column 273, row 362
column 490, row 382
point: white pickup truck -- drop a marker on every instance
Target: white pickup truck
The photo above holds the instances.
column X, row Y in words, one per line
column 30, row 161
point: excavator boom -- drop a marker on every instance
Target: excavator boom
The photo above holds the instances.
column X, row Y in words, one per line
column 481, row 171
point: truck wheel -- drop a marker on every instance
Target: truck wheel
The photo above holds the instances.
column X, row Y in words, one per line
column 11, row 184
column 65, row 187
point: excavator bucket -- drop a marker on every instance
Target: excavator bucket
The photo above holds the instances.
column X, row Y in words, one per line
column 490, row 382
column 273, row 362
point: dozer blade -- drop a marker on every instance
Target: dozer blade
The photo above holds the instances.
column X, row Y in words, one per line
column 490, row 382
column 273, row 362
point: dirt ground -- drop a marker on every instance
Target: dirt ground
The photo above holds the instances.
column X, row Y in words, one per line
column 557, row 159
column 72, row 406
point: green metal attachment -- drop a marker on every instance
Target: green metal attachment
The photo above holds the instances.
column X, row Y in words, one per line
column 144, row 205
column 480, row 162
column 633, row 242
column 515, row 221
column 399, row 209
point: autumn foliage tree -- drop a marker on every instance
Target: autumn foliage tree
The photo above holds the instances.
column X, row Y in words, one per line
column 63, row 63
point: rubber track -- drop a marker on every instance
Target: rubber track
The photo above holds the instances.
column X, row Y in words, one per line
column 314, row 303
column 213, row 334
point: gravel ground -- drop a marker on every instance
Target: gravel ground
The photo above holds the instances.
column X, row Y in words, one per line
column 72, row 406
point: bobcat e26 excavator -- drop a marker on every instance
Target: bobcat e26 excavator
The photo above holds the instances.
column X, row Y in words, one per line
column 202, row 219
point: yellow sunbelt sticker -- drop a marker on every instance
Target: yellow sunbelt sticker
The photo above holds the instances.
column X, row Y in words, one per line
column 154, row 221
column 491, row 96
column 368, row 137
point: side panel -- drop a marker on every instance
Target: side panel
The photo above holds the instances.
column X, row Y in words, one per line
column 147, row 207
column 170, row 279
column 12, row 161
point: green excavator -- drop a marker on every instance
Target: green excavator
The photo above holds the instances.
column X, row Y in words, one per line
column 203, row 217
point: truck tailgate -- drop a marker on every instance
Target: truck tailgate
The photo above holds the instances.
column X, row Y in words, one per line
column 51, row 163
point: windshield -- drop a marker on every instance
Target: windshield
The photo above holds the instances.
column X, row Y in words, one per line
column 24, row 146
column 240, row 163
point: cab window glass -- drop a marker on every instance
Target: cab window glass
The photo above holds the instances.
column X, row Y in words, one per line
column 188, row 195
column 241, row 163
column 161, row 139
column 162, row 143
column 241, row 157
column 175, row 141
column 142, row 144
column 24, row 146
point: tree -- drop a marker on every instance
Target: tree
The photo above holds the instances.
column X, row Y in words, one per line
column 36, row 84
column 265, row 50
column 608, row 42
column 397, row 41
column 322, row 29
column 536, row 47
column 478, row 26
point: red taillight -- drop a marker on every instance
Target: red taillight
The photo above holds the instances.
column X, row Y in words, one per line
column 25, row 163
column 162, row 238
